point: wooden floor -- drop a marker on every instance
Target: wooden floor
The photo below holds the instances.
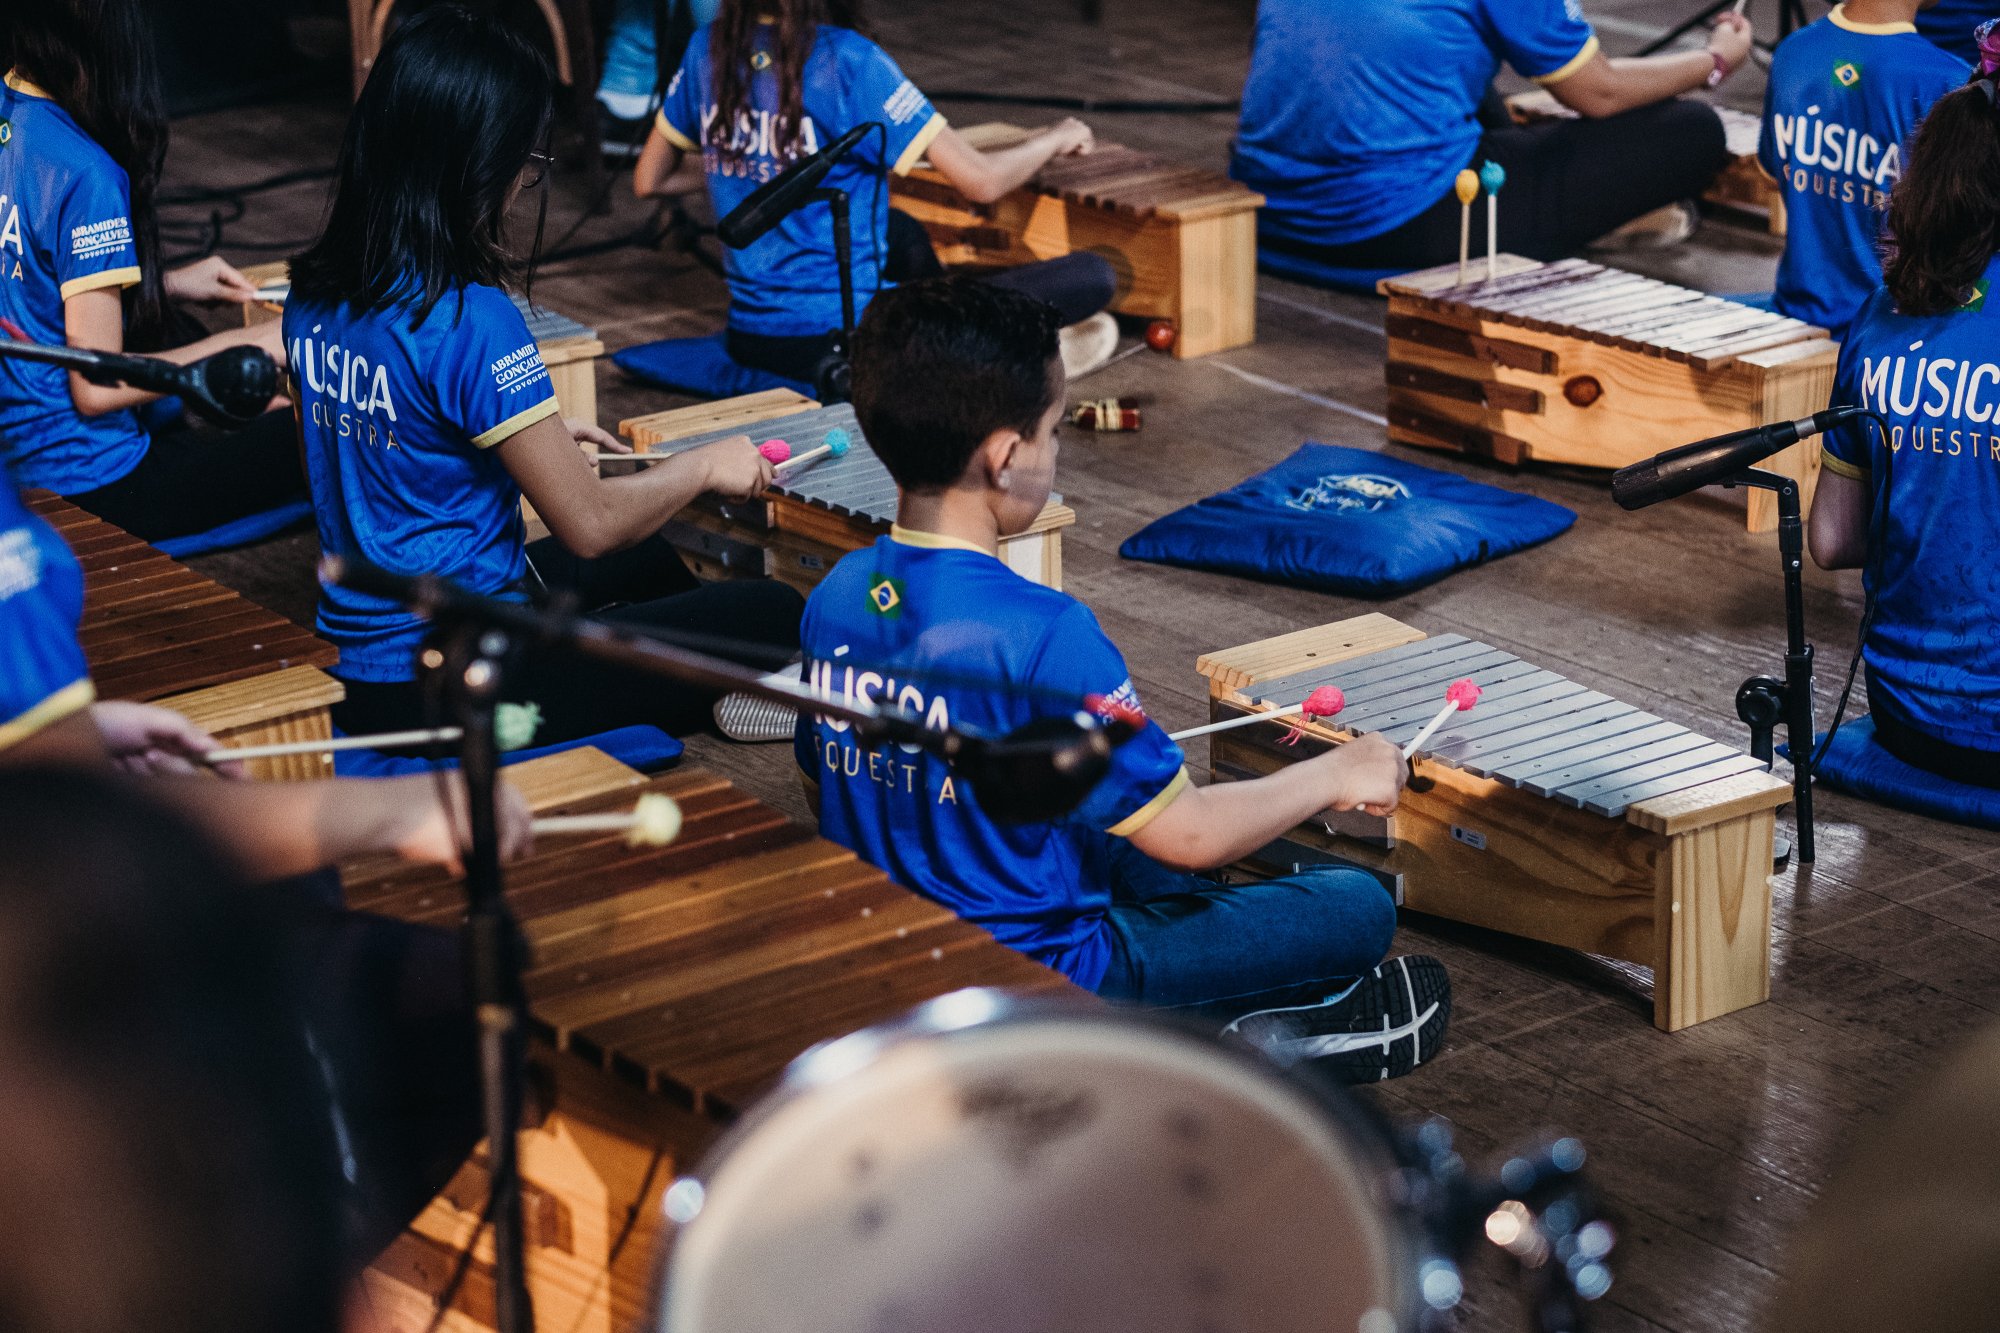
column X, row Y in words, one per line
column 1710, row 1144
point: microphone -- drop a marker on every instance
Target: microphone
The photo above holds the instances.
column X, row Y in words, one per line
column 230, row 388
column 787, row 192
column 1034, row 774
column 1706, row 462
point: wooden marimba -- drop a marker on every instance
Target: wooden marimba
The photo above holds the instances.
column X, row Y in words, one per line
column 677, row 984
column 1557, row 813
column 154, row 631
column 816, row 512
column 1742, row 186
column 1183, row 239
column 1573, row 362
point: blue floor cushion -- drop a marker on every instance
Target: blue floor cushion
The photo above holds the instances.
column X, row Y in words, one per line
column 1349, row 521
column 237, row 532
column 647, row 749
column 1858, row 766
column 700, row 366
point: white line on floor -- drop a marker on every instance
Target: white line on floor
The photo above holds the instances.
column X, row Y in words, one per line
column 1318, row 312
column 1293, row 391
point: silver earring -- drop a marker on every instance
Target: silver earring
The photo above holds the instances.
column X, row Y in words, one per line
column 1006, row 479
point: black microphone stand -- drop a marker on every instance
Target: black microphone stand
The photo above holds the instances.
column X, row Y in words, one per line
column 472, row 674
column 833, row 381
column 1765, row 703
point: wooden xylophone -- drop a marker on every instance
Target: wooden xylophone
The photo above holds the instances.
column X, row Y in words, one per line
column 1573, row 362
column 1557, row 813
column 1183, row 239
column 154, row 631
column 675, row 984
column 817, row 512
column 1742, row 185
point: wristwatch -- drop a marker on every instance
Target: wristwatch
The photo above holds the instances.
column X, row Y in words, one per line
column 1721, row 70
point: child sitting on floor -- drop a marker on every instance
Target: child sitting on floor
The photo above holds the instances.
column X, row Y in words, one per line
column 958, row 387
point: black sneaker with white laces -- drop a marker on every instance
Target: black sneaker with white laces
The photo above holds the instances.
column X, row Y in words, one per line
column 1382, row 1026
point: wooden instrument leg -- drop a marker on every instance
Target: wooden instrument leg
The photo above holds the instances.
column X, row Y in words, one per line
column 1712, row 932
column 1217, row 292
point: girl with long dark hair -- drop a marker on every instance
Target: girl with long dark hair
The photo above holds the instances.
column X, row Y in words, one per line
column 1916, row 510
column 771, row 81
column 428, row 413
column 82, row 139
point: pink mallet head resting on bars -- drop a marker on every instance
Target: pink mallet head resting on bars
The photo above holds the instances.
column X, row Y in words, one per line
column 1463, row 693
column 777, row 451
column 1325, row 701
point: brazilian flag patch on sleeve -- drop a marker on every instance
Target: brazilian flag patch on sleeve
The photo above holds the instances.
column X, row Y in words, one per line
column 1847, row 73
column 885, row 596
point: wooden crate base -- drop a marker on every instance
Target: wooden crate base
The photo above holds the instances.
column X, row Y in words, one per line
column 275, row 709
column 1680, row 884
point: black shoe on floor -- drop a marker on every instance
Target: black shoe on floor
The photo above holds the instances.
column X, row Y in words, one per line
column 1383, row 1026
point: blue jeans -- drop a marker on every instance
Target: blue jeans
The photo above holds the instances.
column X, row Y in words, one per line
column 631, row 55
column 1181, row 941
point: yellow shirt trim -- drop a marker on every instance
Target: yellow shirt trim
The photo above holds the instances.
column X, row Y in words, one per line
column 111, row 277
column 933, row 541
column 1151, row 810
column 68, row 701
column 1840, row 20
column 664, row 128
column 1575, row 63
column 26, row 89
column 920, row 145
column 1840, row 467
column 515, row 424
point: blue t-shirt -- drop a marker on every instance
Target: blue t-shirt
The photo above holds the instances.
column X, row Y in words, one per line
column 1843, row 101
column 896, row 621
column 399, row 427
column 786, row 284
column 65, row 228
column 1357, row 115
column 43, row 678
column 1949, row 23
column 1935, row 645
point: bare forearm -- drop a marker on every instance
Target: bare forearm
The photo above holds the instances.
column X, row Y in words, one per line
column 638, row 505
column 97, row 399
column 1644, row 80
column 276, row 830
column 1212, row 826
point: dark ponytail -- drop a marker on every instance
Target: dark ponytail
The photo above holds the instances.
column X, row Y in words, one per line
column 732, row 45
column 95, row 59
column 1944, row 214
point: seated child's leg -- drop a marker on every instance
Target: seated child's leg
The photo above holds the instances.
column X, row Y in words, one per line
column 1077, row 285
column 1231, row 949
column 643, row 573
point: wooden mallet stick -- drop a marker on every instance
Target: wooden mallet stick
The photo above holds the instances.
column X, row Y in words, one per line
column 654, row 821
column 1467, row 186
column 836, row 445
column 1492, row 175
column 1322, row 702
column 1459, row 697
column 388, row 740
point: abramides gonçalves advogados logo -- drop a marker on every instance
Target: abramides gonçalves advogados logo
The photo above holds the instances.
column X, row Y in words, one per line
column 1348, row 493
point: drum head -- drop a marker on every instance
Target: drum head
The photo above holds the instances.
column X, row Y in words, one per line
column 1038, row 1173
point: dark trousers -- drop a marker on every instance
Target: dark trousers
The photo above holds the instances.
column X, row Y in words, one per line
column 1077, row 285
column 1181, row 941
column 1569, row 182
column 754, row 622
column 195, row 477
column 1895, row 733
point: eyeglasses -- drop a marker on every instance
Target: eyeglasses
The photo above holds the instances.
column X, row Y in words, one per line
column 537, row 170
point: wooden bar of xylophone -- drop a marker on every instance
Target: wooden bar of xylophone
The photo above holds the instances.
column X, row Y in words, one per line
column 1558, row 813
column 1742, row 186
column 1183, row 239
column 154, row 631
column 818, row 511
column 675, row 985
column 1573, row 362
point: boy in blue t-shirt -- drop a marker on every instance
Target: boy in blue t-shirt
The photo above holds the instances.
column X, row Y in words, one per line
column 1950, row 25
column 1846, row 93
column 958, row 388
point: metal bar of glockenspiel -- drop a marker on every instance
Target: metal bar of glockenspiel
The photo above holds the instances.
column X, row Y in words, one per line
column 1359, row 672
column 1614, row 739
column 1412, row 709
column 1633, row 759
column 1424, row 676
column 1472, row 731
column 1503, row 758
column 1618, row 800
